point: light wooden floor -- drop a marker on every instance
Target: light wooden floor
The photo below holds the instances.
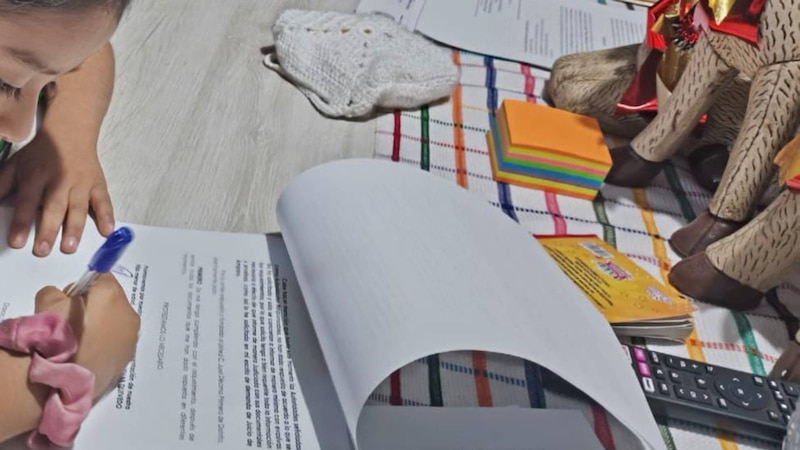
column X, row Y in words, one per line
column 200, row 134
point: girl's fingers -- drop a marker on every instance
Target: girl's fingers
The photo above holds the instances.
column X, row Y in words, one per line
column 53, row 211
column 100, row 203
column 75, row 222
column 28, row 201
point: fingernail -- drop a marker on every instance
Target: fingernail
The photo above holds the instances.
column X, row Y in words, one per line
column 70, row 243
column 18, row 241
column 44, row 248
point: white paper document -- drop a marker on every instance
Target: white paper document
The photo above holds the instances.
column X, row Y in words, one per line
column 212, row 366
column 252, row 341
column 536, row 32
column 405, row 12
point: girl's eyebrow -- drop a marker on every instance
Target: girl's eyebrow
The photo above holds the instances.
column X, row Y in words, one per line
column 30, row 60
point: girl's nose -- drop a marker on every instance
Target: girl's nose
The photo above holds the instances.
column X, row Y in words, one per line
column 17, row 118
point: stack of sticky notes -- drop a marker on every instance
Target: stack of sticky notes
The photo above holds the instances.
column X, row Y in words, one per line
column 545, row 148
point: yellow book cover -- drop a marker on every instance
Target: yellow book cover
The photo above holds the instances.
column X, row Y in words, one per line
column 621, row 290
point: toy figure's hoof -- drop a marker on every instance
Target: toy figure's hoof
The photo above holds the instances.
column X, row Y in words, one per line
column 700, row 233
column 696, row 277
column 788, row 365
column 707, row 164
column 631, row 170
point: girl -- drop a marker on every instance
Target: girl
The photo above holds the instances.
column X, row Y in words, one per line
column 59, row 49
column 62, row 45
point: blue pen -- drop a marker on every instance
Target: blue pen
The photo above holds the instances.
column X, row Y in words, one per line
column 103, row 260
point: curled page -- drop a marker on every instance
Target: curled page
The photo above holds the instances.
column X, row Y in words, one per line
column 396, row 264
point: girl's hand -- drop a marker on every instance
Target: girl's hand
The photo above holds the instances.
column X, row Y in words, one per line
column 66, row 189
column 105, row 324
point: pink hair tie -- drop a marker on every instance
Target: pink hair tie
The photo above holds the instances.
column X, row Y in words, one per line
column 49, row 339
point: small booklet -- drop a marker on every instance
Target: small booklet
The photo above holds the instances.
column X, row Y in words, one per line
column 633, row 302
column 276, row 342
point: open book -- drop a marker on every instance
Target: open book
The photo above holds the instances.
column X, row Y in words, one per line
column 276, row 342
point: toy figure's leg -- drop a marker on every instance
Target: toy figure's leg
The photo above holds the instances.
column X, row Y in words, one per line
column 708, row 151
column 737, row 270
column 592, row 84
column 788, row 365
column 635, row 165
column 773, row 114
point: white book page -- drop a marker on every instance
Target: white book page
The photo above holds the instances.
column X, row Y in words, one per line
column 536, row 32
column 212, row 368
column 397, row 264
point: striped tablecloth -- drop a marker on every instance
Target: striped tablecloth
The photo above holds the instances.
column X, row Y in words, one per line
column 448, row 140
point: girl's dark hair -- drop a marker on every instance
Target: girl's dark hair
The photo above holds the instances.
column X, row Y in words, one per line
column 23, row 6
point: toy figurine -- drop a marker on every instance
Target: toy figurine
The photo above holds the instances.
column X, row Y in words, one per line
column 758, row 39
column 625, row 85
column 755, row 40
column 730, row 260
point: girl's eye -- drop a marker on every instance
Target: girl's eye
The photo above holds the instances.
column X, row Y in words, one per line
column 10, row 91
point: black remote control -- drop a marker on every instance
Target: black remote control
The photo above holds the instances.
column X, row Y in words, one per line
column 738, row 402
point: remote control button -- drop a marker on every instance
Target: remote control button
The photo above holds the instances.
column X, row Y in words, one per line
column 644, row 369
column 701, row 383
column 627, row 352
column 654, row 358
column 778, row 396
column 740, row 394
column 784, row 408
column 739, row 391
column 790, row 389
column 682, row 392
column 638, row 353
column 710, row 369
column 746, row 404
column 759, row 400
column 722, row 403
column 672, row 361
column 648, row 385
column 682, row 364
column 659, row 373
column 675, row 377
column 773, row 416
column 758, row 380
column 692, row 395
column 786, row 418
column 773, row 384
column 663, row 388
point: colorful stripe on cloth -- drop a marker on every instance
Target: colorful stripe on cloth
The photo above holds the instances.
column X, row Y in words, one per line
column 448, row 140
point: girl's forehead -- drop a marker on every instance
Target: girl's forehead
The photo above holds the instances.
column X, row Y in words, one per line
column 54, row 41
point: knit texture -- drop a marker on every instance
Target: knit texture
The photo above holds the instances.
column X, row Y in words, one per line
column 350, row 65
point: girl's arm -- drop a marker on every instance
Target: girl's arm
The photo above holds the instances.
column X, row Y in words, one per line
column 59, row 170
column 108, row 328
column 22, row 402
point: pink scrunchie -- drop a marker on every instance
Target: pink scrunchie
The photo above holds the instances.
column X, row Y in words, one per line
column 50, row 340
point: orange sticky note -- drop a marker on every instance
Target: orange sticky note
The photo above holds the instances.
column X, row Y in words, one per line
column 541, row 128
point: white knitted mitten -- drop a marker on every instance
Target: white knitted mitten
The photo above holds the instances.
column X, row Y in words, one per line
column 348, row 65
